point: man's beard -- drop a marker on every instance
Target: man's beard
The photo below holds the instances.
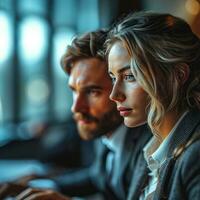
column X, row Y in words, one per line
column 96, row 127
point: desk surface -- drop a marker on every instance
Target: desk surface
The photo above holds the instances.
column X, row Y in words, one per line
column 13, row 169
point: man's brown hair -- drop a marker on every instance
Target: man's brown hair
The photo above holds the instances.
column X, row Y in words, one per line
column 88, row 45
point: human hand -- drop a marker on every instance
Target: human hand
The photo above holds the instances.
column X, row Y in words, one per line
column 17, row 186
column 38, row 194
column 10, row 189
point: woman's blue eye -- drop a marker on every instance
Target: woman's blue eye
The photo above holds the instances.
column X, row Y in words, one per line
column 129, row 77
column 113, row 79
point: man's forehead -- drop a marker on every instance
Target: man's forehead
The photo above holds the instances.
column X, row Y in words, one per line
column 82, row 80
column 89, row 67
column 87, row 74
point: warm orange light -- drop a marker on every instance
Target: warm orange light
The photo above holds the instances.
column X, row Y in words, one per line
column 192, row 7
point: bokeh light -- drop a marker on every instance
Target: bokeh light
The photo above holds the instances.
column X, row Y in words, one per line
column 61, row 39
column 1, row 112
column 37, row 91
column 6, row 40
column 192, row 7
column 33, row 39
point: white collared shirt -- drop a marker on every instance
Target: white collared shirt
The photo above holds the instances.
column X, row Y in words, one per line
column 155, row 156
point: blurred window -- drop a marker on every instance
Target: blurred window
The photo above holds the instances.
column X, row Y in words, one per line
column 34, row 35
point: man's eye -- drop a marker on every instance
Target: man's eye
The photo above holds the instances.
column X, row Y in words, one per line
column 129, row 77
column 93, row 92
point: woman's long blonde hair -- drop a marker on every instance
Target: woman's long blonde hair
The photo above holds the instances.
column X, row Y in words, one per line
column 157, row 45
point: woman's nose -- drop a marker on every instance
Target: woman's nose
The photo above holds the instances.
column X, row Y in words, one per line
column 117, row 94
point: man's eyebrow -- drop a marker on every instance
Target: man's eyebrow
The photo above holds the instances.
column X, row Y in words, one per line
column 87, row 87
column 126, row 67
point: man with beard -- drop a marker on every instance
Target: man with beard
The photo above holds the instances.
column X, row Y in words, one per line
column 97, row 118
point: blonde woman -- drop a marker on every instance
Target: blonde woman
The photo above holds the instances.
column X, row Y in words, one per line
column 154, row 62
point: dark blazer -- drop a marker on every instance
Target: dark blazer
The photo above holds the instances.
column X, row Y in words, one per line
column 93, row 180
column 179, row 176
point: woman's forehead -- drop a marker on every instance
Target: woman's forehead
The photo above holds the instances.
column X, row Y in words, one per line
column 118, row 57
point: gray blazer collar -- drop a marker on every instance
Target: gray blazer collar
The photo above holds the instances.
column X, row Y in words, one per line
column 140, row 174
column 122, row 163
column 183, row 133
column 134, row 142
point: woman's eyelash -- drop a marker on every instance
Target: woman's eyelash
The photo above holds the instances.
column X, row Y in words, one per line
column 113, row 79
column 129, row 77
column 126, row 77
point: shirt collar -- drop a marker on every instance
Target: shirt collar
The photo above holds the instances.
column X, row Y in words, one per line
column 116, row 140
column 155, row 151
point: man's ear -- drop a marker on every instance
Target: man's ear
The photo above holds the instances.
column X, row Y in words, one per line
column 182, row 72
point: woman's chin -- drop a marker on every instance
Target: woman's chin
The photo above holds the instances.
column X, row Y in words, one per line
column 133, row 123
column 129, row 123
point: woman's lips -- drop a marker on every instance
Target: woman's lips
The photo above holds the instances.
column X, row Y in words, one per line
column 124, row 111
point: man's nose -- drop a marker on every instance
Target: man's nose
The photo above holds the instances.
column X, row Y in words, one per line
column 79, row 104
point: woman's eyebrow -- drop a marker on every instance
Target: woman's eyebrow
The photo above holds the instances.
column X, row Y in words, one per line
column 126, row 67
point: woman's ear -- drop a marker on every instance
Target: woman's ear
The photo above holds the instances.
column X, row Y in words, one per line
column 182, row 72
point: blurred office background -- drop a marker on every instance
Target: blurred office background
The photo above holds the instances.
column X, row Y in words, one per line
column 33, row 37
